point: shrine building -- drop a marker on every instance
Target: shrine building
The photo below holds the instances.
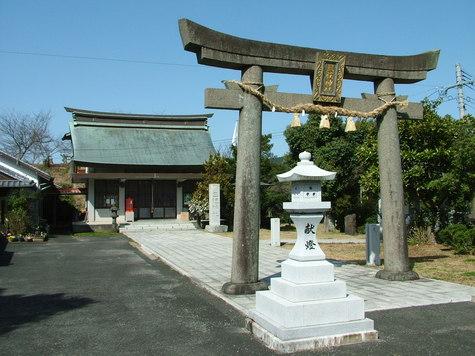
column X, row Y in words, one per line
column 155, row 161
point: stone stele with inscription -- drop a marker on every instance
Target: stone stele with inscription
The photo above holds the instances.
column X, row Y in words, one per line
column 215, row 210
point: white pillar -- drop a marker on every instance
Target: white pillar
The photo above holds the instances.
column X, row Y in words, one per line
column 91, row 216
column 179, row 201
column 275, row 232
column 215, row 210
column 214, row 205
column 373, row 244
column 121, row 206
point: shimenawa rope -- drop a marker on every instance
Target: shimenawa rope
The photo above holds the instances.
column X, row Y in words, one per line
column 316, row 108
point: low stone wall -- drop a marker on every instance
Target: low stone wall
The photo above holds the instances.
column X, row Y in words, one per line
column 83, row 227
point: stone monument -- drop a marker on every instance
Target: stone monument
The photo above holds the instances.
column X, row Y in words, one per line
column 306, row 307
column 373, row 244
column 350, row 224
column 215, row 210
column 275, row 232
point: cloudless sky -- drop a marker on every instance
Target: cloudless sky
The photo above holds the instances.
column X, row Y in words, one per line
column 147, row 31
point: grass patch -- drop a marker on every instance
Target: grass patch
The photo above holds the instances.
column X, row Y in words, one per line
column 106, row 233
column 287, row 233
column 428, row 260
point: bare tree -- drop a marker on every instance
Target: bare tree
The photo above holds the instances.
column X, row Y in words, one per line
column 27, row 136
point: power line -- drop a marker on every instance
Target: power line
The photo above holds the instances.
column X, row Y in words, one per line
column 463, row 79
column 109, row 59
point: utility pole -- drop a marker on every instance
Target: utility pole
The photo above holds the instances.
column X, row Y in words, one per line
column 461, row 79
column 459, row 84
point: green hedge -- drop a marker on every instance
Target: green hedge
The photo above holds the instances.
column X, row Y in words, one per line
column 460, row 237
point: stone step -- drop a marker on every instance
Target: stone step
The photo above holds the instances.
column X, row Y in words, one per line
column 304, row 314
column 158, row 227
column 309, row 291
column 307, row 271
column 307, row 333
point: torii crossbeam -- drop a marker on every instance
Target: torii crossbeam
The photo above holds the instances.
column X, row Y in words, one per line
column 326, row 70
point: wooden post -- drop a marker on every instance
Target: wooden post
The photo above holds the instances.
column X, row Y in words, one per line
column 245, row 260
column 396, row 260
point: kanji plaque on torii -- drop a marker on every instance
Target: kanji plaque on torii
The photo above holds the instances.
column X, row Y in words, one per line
column 326, row 70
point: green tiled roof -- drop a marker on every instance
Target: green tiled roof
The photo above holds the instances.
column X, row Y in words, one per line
column 138, row 143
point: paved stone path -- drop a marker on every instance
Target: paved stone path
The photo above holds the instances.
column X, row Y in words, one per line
column 206, row 259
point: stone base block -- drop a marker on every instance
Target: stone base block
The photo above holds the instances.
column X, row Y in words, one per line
column 307, row 292
column 184, row 216
column 310, row 313
column 216, row 228
column 397, row 276
column 307, row 272
column 289, row 340
column 129, row 216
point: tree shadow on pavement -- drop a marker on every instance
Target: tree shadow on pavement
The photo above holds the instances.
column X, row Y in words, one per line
column 413, row 260
column 5, row 258
column 18, row 309
column 268, row 278
column 339, row 263
column 426, row 258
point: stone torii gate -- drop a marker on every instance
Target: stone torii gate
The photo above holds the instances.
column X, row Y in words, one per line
column 326, row 70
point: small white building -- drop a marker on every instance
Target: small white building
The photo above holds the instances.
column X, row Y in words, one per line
column 16, row 175
column 153, row 160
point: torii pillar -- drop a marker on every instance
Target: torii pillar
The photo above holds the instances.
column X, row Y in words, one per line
column 245, row 264
column 326, row 69
column 396, row 259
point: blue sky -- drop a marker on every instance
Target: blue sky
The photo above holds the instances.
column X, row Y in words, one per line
column 148, row 31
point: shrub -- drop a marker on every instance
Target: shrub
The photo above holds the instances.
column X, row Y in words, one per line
column 460, row 237
column 197, row 209
column 420, row 235
column 464, row 242
column 17, row 221
column 446, row 235
column 21, row 199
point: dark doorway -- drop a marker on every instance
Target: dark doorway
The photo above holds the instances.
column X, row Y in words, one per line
column 152, row 199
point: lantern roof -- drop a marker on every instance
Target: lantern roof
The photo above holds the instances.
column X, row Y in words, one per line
column 305, row 170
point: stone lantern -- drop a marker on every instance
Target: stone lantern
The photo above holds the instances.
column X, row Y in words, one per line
column 306, row 207
column 306, row 307
column 114, row 216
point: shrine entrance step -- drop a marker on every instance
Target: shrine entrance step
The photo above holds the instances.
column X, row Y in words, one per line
column 158, row 225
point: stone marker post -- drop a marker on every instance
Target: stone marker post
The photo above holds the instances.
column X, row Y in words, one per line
column 215, row 210
column 350, row 224
column 214, row 205
column 373, row 244
column 275, row 232
column 396, row 259
column 245, row 260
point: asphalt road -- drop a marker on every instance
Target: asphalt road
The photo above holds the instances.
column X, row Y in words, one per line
column 101, row 296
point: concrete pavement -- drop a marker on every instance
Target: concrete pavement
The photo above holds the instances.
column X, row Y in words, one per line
column 206, row 258
column 99, row 296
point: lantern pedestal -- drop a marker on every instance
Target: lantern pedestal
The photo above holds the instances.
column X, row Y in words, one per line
column 306, row 308
column 306, row 247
